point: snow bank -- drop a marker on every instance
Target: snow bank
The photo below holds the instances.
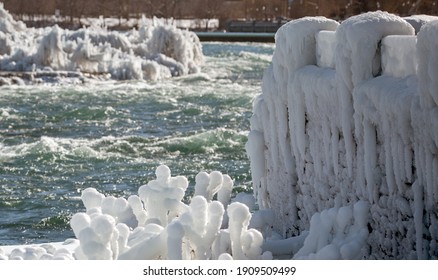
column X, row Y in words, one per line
column 156, row 51
column 348, row 114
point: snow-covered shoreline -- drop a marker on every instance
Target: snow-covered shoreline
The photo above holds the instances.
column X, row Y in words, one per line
column 153, row 52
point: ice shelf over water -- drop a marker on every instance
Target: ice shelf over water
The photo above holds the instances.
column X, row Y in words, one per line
column 153, row 52
column 348, row 115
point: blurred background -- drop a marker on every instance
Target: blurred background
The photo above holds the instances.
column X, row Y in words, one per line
column 206, row 15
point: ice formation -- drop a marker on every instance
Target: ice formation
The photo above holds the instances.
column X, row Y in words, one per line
column 49, row 251
column 337, row 234
column 155, row 51
column 343, row 151
column 348, row 115
column 156, row 224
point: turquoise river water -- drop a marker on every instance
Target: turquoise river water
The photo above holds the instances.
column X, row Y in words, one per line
column 56, row 140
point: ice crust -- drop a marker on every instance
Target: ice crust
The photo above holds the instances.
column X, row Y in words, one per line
column 155, row 51
column 361, row 129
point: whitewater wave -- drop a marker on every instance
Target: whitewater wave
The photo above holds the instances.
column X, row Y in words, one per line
column 107, row 147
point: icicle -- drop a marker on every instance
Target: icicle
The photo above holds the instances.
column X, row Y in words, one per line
column 370, row 158
column 418, row 218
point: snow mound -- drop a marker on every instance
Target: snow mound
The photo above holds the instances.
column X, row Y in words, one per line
column 153, row 52
column 348, row 114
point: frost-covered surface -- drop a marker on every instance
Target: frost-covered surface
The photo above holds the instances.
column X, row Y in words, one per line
column 363, row 128
column 417, row 21
column 153, row 52
column 399, row 57
column 47, row 251
column 157, row 224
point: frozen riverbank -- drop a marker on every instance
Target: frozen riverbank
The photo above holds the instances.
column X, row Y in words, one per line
column 155, row 51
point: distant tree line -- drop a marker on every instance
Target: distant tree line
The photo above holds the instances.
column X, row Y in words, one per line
column 222, row 9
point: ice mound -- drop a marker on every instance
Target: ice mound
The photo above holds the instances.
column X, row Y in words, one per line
column 155, row 51
column 8, row 24
column 157, row 224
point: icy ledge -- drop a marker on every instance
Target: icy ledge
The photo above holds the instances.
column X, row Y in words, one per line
column 156, row 224
column 155, row 51
column 348, row 113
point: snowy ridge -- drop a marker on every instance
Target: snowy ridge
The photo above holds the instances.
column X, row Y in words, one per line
column 155, row 51
column 348, row 115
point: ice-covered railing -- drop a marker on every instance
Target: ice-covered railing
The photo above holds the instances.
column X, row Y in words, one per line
column 348, row 114
column 153, row 52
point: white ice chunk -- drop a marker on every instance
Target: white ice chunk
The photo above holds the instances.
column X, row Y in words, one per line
column 399, row 58
column 325, row 48
column 91, row 198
